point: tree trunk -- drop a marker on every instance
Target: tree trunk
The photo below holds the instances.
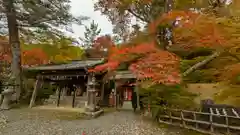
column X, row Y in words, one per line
column 202, row 63
column 15, row 46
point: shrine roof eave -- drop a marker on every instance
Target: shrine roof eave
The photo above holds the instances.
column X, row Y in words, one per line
column 79, row 64
column 123, row 75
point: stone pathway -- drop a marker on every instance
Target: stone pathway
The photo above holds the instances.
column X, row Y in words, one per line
column 28, row 122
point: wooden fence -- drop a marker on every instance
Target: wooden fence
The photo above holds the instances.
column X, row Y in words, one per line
column 208, row 123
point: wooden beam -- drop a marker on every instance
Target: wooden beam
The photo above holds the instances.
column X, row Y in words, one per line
column 34, row 94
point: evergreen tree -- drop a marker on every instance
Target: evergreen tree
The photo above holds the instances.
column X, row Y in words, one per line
column 30, row 17
column 90, row 34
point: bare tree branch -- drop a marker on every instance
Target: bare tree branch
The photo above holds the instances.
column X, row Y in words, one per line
column 137, row 16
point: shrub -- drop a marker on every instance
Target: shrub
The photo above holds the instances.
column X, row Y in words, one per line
column 161, row 96
column 44, row 92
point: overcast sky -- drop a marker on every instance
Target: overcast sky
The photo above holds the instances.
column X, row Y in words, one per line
column 85, row 7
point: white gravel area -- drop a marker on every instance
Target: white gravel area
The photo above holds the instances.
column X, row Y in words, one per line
column 18, row 122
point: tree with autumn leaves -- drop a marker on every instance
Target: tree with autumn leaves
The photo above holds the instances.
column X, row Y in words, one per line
column 149, row 60
column 60, row 50
column 214, row 27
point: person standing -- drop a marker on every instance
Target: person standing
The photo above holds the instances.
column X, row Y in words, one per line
column 134, row 101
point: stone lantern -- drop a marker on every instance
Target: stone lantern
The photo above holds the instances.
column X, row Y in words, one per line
column 91, row 108
column 7, row 94
column 91, row 89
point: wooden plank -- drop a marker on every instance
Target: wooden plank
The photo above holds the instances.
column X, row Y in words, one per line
column 235, row 113
column 224, row 112
column 166, row 116
column 182, row 118
column 217, row 111
column 198, row 121
column 235, row 128
column 211, row 120
column 226, row 121
column 170, row 116
column 195, row 119
column 211, row 111
column 202, row 113
column 34, row 94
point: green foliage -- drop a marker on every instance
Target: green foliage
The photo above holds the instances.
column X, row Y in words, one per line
column 90, row 34
column 42, row 17
column 43, row 93
column 161, row 96
column 228, row 95
column 58, row 50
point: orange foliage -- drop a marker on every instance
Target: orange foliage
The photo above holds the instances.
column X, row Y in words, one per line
column 103, row 42
column 31, row 57
column 5, row 51
column 194, row 29
column 100, row 47
column 34, row 56
column 146, row 61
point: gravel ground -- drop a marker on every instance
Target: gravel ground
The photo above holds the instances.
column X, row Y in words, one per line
column 29, row 122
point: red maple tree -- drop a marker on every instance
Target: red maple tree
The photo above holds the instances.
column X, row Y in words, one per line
column 100, row 47
column 146, row 61
column 35, row 56
column 161, row 66
column 5, row 50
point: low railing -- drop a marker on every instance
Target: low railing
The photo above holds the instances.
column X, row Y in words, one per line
column 207, row 123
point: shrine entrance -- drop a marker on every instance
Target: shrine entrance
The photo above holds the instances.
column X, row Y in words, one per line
column 76, row 87
column 124, row 87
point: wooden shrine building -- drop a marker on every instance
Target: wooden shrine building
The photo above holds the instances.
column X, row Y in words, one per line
column 79, row 88
column 124, row 84
column 75, row 85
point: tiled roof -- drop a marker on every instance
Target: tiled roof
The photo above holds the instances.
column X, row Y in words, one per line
column 71, row 65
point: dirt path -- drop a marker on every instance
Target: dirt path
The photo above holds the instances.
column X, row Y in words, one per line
column 33, row 122
column 51, row 122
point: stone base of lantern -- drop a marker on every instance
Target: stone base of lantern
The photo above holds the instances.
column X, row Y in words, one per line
column 93, row 112
column 7, row 93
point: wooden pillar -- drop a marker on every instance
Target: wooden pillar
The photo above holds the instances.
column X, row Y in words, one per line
column 102, row 90
column 137, row 92
column 34, row 94
column 74, row 96
column 88, row 87
column 115, row 93
column 59, row 95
